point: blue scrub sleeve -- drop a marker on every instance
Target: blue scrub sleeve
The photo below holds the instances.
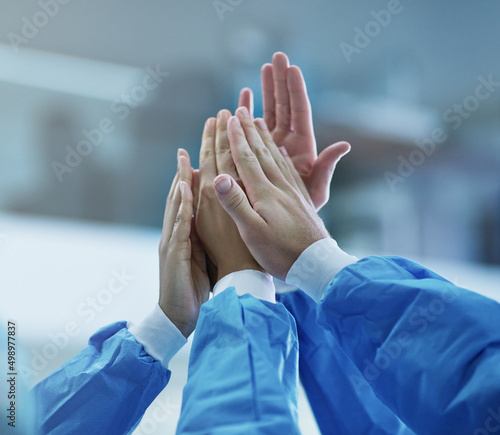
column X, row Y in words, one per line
column 242, row 376
column 325, row 373
column 105, row 389
column 429, row 349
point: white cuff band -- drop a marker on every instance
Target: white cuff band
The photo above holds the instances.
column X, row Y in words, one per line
column 258, row 284
column 159, row 336
column 317, row 266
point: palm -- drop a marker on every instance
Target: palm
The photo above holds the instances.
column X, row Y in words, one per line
column 287, row 113
column 301, row 149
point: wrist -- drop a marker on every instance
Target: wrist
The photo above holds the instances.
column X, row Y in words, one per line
column 317, row 266
column 159, row 336
column 227, row 267
column 185, row 327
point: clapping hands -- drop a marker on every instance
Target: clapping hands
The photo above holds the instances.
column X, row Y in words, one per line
column 254, row 198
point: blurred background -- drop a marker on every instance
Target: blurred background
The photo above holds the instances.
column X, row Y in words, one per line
column 96, row 97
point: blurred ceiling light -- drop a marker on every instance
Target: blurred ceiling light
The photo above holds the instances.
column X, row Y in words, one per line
column 67, row 74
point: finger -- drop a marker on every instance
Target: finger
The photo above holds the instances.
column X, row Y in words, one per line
column 280, row 68
column 195, row 188
column 299, row 183
column 278, row 157
column 266, row 160
column 185, row 170
column 173, row 186
column 299, row 102
column 208, row 167
column 318, row 180
column 171, row 208
column 246, row 162
column 224, row 159
column 246, row 100
column 184, row 173
column 234, row 201
column 182, row 226
column 267, row 81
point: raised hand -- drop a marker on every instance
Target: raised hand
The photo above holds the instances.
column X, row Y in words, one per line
column 274, row 218
column 184, row 284
column 287, row 112
column 215, row 227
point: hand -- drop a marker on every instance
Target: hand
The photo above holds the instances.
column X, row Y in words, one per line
column 275, row 221
column 184, row 284
column 287, row 112
column 217, row 230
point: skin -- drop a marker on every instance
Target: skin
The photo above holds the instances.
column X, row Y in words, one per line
column 287, row 112
column 218, row 233
column 273, row 216
column 184, row 283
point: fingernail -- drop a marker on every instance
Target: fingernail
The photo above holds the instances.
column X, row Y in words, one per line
column 182, row 186
column 235, row 120
column 223, row 184
column 261, row 124
column 283, row 151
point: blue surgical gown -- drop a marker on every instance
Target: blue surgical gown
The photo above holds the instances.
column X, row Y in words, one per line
column 242, row 369
column 105, row 389
column 325, row 371
column 242, row 376
column 429, row 350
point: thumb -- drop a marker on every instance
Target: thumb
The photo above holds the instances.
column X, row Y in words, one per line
column 318, row 183
column 233, row 200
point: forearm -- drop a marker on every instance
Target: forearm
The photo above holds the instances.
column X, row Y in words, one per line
column 326, row 374
column 242, row 368
column 424, row 345
column 108, row 386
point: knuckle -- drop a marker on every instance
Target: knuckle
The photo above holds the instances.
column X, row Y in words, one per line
column 235, row 202
column 282, row 165
column 249, row 159
column 262, row 152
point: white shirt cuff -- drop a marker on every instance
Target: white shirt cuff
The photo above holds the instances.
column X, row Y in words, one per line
column 159, row 336
column 283, row 287
column 317, row 266
column 258, row 284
